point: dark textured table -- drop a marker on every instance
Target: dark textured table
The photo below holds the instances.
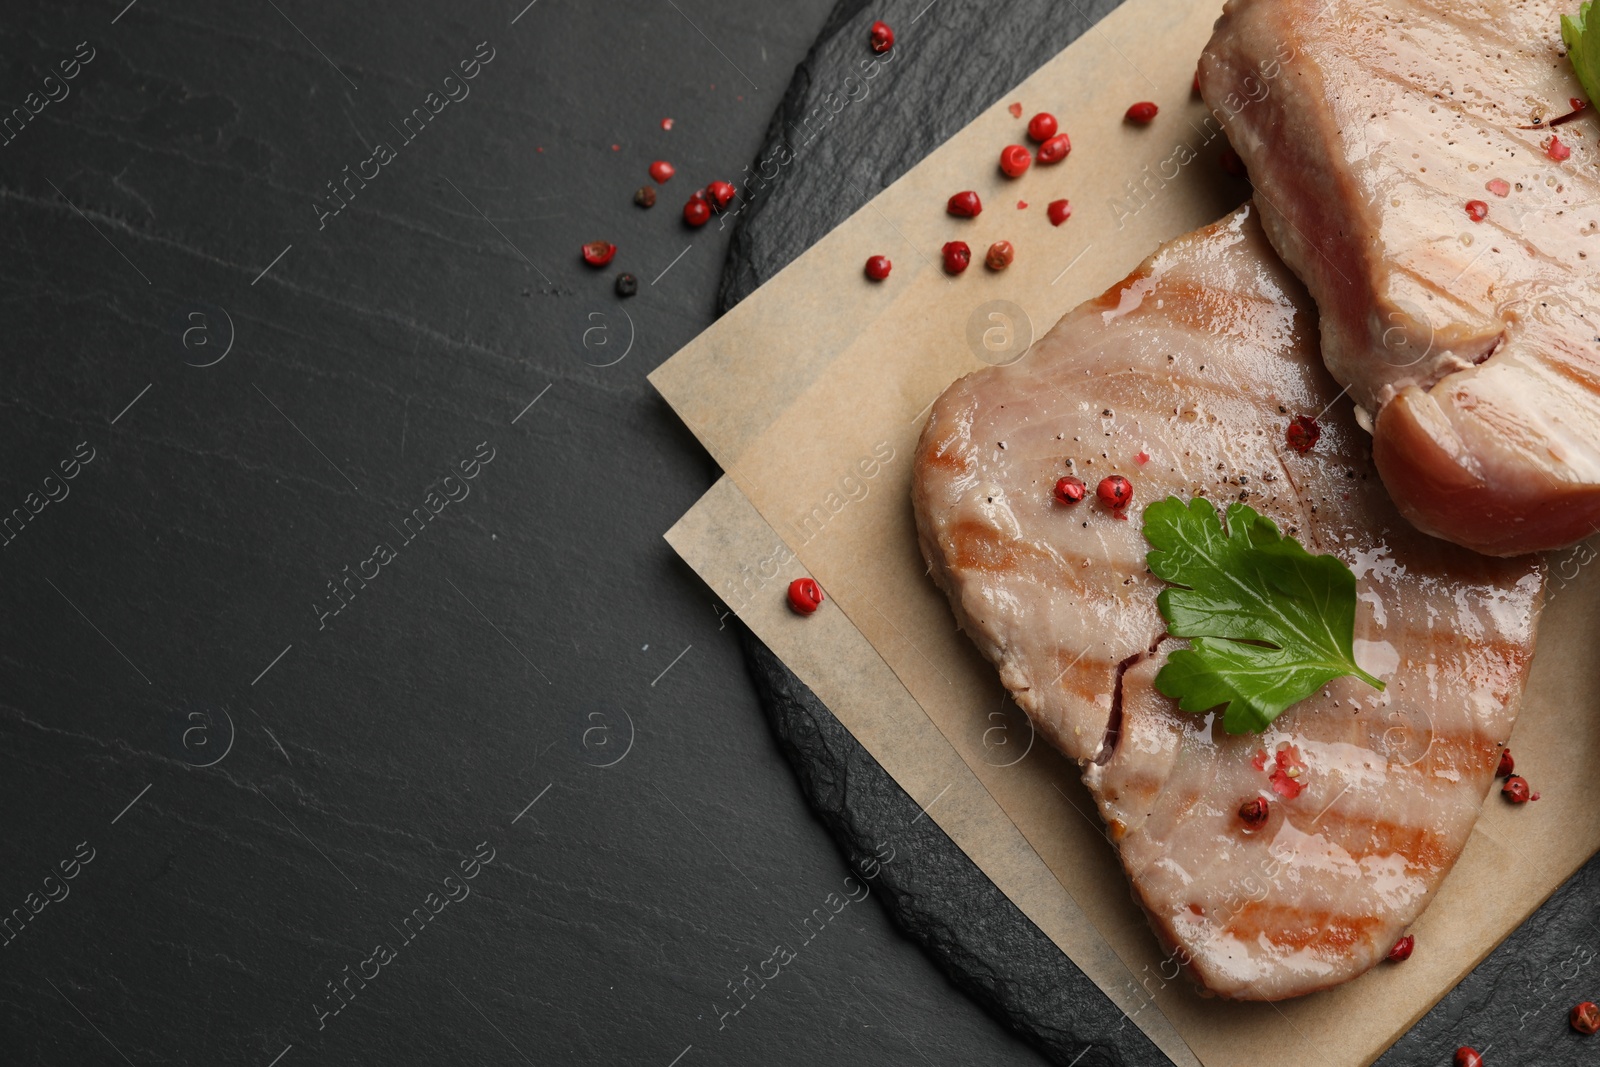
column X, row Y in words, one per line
column 351, row 707
column 278, row 765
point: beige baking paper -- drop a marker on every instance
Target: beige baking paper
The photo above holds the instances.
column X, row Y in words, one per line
column 811, row 393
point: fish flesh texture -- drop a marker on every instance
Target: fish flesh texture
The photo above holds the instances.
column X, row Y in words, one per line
column 1406, row 170
column 1183, row 378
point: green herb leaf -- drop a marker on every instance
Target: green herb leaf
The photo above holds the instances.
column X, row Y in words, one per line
column 1583, row 50
column 1268, row 622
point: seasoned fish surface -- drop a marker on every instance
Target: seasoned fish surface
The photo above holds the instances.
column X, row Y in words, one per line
column 1451, row 256
column 1183, row 378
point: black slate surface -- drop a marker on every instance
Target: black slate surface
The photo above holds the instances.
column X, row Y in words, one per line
column 1512, row 1008
column 269, row 789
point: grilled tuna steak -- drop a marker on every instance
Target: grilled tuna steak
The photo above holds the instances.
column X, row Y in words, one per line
column 1451, row 257
column 1183, row 378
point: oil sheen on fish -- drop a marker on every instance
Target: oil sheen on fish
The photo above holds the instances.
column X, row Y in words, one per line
column 1451, row 253
column 1183, row 378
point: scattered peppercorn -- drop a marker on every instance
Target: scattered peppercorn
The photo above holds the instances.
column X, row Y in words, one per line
column 1041, row 127
column 878, row 268
column 1060, row 211
column 880, row 37
column 1070, row 490
column 627, row 285
column 1115, row 492
column 645, row 196
column 964, row 205
column 957, row 256
column 1254, row 812
column 1468, row 1057
column 598, row 253
column 1477, row 210
column 1585, row 1017
column 1303, row 433
column 697, row 212
column 720, row 194
column 661, row 171
column 1142, row 113
column 1055, row 149
column 1402, row 949
column 1014, row 159
column 1507, row 765
column 805, row 596
column 1000, row 255
column 1516, row 789
column 1556, row 150
column 1499, row 187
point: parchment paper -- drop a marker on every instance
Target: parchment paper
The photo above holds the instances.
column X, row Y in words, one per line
column 811, row 393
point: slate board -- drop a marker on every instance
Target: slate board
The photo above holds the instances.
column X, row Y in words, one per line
column 1513, row 1007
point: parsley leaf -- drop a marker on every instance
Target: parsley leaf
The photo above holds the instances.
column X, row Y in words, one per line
column 1583, row 50
column 1269, row 623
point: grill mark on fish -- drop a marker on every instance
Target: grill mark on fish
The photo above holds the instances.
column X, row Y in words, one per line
column 1300, row 928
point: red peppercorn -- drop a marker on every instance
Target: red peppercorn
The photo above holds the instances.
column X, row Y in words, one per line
column 880, row 37
column 878, row 268
column 1060, row 211
column 999, row 256
column 1041, row 127
column 720, row 194
column 1556, row 150
column 1070, row 490
column 1303, row 433
column 965, row 205
column 661, row 171
column 805, row 596
column 1115, row 492
column 1585, row 1017
column 957, row 256
column 1014, row 159
column 1477, row 210
column 1142, row 113
column 645, row 196
column 1468, row 1057
column 1254, row 812
column 1055, row 149
column 1516, row 789
column 1507, row 765
column 1402, row 949
column 1231, row 163
column 696, row 212
column 598, row 253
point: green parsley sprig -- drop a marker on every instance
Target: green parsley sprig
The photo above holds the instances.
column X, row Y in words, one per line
column 1268, row 622
column 1583, row 50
